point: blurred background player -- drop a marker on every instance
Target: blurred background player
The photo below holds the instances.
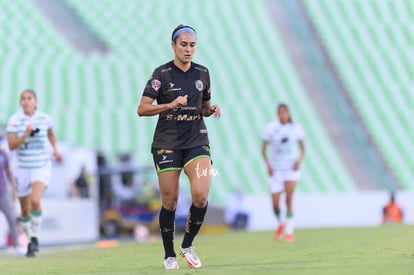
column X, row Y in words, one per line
column 236, row 210
column 392, row 212
column 8, row 196
column 182, row 91
column 287, row 149
column 28, row 132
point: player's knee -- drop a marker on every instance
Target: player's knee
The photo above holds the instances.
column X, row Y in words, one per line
column 36, row 204
column 200, row 200
column 170, row 205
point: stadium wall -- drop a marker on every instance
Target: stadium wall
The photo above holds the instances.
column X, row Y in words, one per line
column 66, row 218
column 329, row 210
column 64, row 221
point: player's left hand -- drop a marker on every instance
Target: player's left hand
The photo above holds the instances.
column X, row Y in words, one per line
column 296, row 165
column 57, row 156
column 215, row 111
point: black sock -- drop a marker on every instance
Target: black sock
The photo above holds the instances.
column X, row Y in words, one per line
column 167, row 228
column 195, row 219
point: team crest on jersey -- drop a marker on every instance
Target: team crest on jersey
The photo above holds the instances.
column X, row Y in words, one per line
column 199, row 85
column 156, row 84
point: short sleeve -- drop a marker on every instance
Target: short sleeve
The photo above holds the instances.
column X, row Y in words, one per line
column 12, row 125
column 153, row 85
column 268, row 133
column 207, row 91
column 300, row 135
column 49, row 122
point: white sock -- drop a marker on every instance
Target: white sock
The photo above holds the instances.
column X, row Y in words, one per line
column 36, row 222
column 25, row 224
column 290, row 227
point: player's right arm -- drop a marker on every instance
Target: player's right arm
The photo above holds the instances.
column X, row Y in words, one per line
column 152, row 92
column 12, row 139
column 264, row 154
column 265, row 144
column 147, row 108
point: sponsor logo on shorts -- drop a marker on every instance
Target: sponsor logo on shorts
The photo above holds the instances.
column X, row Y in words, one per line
column 164, row 156
column 165, row 160
column 164, row 151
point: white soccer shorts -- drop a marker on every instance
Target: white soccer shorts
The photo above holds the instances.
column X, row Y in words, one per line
column 25, row 177
column 278, row 179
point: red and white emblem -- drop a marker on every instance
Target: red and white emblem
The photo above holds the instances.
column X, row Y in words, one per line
column 156, row 84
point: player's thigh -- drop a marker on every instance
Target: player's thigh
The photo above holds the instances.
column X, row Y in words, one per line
column 168, row 182
column 291, row 178
column 199, row 173
column 276, row 199
column 40, row 179
column 168, row 164
column 38, row 188
column 276, row 183
column 197, row 166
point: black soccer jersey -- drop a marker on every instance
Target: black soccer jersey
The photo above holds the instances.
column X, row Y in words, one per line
column 181, row 127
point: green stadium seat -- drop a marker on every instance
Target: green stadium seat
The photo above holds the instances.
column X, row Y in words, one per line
column 369, row 42
column 94, row 98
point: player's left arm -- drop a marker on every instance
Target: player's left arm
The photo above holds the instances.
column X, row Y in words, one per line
column 206, row 106
column 298, row 162
column 52, row 140
column 209, row 109
column 300, row 135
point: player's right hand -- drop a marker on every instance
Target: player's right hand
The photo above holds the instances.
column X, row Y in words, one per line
column 180, row 101
column 29, row 129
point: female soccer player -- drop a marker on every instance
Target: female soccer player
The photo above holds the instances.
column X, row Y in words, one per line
column 182, row 91
column 284, row 138
column 27, row 133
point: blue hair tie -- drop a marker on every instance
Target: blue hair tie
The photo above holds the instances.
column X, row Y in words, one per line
column 182, row 30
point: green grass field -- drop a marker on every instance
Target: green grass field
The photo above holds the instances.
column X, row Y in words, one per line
column 375, row 250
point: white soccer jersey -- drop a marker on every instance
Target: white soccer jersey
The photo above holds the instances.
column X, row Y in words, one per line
column 34, row 152
column 283, row 141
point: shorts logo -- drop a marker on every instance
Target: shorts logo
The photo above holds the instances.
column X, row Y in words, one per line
column 164, row 151
column 199, row 85
column 165, row 160
column 156, row 84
